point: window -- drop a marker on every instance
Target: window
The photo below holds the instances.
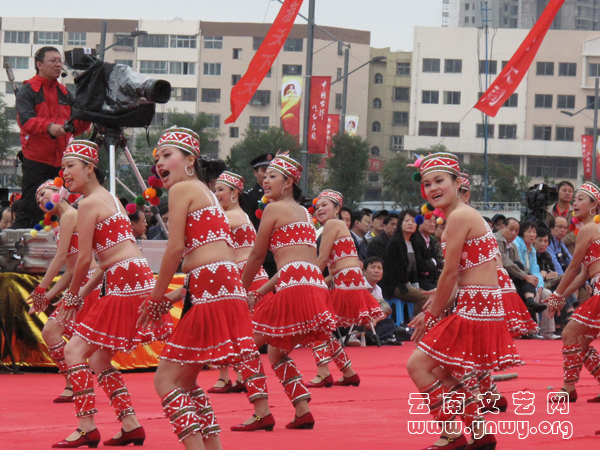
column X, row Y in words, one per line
column 480, row 132
column 430, row 97
column 450, row 129
column 124, row 40
column 397, row 142
column 125, row 62
column 400, row 118
column 213, row 42
column 237, row 53
column 565, row 134
column 211, row 95
column 590, row 102
column 291, row 69
column 375, row 151
column 512, row 101
column 513, row 23
column 542, row 133
column 153, row 40
column 214, row 120
column 76, row 38
column 403, row 69
column 543, row 100
column 507, row 132
column 234, row 132
column 567, row 69
column 261, row 98
column 453, row 66
column 451, row 98
column 513, row 161
column 48, row 37
column 339, row 73
column 9, row 87
column 182, row 68
column 212, row 69
column 17, row 62
column 293, row 45
column 259, row 122
column 376, row 127
column 378, row 78
column 235, row 79
column 590, row 131
column 467, row 5
column 17, row 37
column 565, row 101
column 257, row 42
column 338, row 101
column 545, row 68
column 428, row 128
column 552, row 167
column 466, row 20
column 159, row 67
column 594, row 69
column 340, row 48
column 377, row 103
column 492, row 67
column 401, row 94
column 431, row 65
column 184, row 94
column 178, row 41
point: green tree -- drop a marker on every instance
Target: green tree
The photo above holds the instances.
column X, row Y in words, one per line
column 399, row 186
column 347, row 168
column 505, row 183
column 8, row 139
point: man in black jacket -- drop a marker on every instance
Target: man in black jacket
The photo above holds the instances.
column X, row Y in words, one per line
column 424, row 245
column 379, row 243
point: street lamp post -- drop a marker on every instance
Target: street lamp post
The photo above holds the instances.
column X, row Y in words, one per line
column 103, row 46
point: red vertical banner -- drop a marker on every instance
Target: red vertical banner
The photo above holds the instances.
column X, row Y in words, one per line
column 333, row 128
column 244, row 90
column 512, row 74
column 587, row 143
column 319, row 107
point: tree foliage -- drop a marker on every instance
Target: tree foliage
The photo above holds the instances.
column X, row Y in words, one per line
column 505, row 183
column 347, row 168
column 399, row 186
column 7, row 137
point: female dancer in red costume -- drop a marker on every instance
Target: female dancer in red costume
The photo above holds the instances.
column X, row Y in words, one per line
column 217, row 328
column 475, row 337
column 298, row 312
column 110, row 324
column 584, row 325
column 349, row 299
column 66, row 254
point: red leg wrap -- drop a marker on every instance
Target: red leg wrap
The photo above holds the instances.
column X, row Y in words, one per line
column 470, row 407
column 291, row 379
column 57, row 353
column 339, row 356
column 469, row 380
column 592, row 362
column 435, row 394
column 572, row 359
column 208, row 420
column 486, row 384
column 321, row 352
column 81, row 378
column 255, row 379
column 180, row 410
column 112, row 382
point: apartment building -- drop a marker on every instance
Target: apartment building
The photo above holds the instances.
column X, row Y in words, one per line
column 201, row 60
column 530, row 132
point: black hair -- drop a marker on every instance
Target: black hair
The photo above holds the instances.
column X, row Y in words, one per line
column 136, row 216
column 4, row 209
column 526, row 225
column 506, row 221
column 163, row 208
column 348, row 210
column 552, row 221
column 41, row 54
column 563, row 183
column 211, row 168
column 15, row 206
column 371, row 260
column 488, row 220
column 356, row 215
column 402, row 216
column 542, row 232
column 124, row 201
column 367, row 211
column 387, row 219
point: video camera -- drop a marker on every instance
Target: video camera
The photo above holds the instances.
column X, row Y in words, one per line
column 537, row 200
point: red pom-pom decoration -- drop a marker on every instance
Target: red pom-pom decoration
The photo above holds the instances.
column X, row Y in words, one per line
column 572, row 227
column 131, row 208
column 58, row 182
column 428, row 216
column 575, row 220
column 61, row 173
column 72, row 198
column 154, row 182
column 153, row 170
column 311, row 210
column 47, row 221
column 154, row 201
column 258, row 213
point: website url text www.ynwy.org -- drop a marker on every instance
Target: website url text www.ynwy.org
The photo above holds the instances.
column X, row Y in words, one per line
column 521, row 427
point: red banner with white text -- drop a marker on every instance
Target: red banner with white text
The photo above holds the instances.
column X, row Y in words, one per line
column 333, row 128
column 512, row 74
column 262, row 61
column 319, row 107
column 587, row 144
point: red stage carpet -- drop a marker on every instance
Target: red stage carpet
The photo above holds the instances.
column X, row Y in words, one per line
column 373, row 416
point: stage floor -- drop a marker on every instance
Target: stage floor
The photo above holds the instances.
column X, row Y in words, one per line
column 373, row 416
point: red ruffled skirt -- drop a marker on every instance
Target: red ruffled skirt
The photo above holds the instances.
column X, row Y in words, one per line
column 259, row 280
column 299, row 308
column 588, row 314
column 517, row 316
column 217, row 329
column 475, row 337
column 111, row 321
column 351, row 301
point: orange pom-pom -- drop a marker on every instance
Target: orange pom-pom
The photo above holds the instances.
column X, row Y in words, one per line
column 58, row 182
column 596, row 219
column 314, row 219
column 47, row 215
column 439, row 221
column 154, row 153
column 54, row 224
column 149, row 193
column 315, row 201
column 576, row 232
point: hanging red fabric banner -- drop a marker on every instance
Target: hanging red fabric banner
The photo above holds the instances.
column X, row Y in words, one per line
column 319, row 107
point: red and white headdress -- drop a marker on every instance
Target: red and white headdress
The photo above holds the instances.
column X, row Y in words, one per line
column 445, row 162
column 48, row 184
column 85, row 151
column 332, row 195
column 465, row 183
column 233, row 180
column 182, row 138
column 289, row 167
column 592, row 190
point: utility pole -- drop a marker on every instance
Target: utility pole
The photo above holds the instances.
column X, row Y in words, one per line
column 103, row 39
column 595, row 135
column 307, row 88
column 345, row 88
column 485, row 20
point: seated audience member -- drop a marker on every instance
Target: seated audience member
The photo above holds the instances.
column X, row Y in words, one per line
column 369, row 214
column 562, row 208
column 14, row 207
column 439, row 257
column 489, row 222
column 358, row 230
column 346, row 216
column 385, row 328
column 425, row 247
column 156, row 233
column 376, row 224
column 379, row 243
column 138, row 224
column 6, row 219
column 525, row 283
column 560, row 255
column 400, row 276
column 497, row 222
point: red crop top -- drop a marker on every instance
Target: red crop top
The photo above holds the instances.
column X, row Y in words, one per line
column 73, row 245
column 112, row 231
column 244, row 235
column 592, row 254
column 342, row 248
column 295, row 233
column 477, row 251
column 206, row 225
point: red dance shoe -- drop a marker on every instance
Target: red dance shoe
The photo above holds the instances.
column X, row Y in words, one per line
column 260, row 423
column 238, row 387
column 594, row 399
column 91, row 439
column 487, row 442
column 458, row 443
column 572, row 396
column 65, row 398
column 221, row 390
column 354, row 380
column 325, row 382
column 136, row 436
column 306, row 422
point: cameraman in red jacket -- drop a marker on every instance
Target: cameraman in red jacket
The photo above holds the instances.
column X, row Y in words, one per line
column 43, row 106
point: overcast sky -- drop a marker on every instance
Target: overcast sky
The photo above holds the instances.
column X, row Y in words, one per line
column 390, row 22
